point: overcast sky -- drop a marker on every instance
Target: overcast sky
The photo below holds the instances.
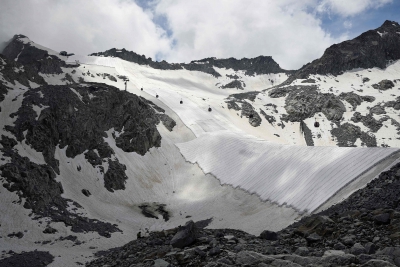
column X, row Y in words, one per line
column 293, row 32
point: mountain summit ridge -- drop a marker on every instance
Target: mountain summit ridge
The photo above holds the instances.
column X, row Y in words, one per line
column 373, row 48
column 251, row 66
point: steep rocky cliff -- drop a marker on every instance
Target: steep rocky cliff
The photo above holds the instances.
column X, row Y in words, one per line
column 374, row 48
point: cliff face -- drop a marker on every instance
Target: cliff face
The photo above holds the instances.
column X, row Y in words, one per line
column 373, row 48
column 23, row 51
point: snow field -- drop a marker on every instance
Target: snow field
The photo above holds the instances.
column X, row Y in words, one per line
column 297, row 176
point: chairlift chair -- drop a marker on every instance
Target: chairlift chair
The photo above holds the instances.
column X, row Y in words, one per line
column 181, row 102
column 141, row 89
column 209, row 109
column 156, row 95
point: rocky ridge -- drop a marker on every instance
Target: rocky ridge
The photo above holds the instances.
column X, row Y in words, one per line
column 252, row 66
column 32, row 57
column 374, row 48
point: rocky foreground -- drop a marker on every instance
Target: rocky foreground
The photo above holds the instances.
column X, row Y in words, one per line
column 364, row 230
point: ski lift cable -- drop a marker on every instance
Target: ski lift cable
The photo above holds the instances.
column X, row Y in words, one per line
column 258, row 104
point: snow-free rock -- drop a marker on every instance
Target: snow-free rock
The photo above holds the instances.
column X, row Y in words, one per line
column 185, row 236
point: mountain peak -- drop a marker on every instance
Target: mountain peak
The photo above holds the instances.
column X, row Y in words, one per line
column 373, row 48
column 390, row 23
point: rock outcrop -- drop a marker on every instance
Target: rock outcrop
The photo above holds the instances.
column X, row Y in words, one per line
column 79, row 117
column 22, row 51
column 304, row 101
column 347, row 134
column 374, row 48
column 259, row 65
column 36, row 185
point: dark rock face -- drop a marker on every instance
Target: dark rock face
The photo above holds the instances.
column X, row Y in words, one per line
column 370, row 49
column 308, row 81
column 280, row 92
column 232, row 105
column 150, row 210
column 185, row 236
column 32, row 258
column 259, row 65
column 81, row 124
column 269, row 235
column 393, row 104
column 347, row 135
column 106, row 75
column 167, row 121
column 242, row 96
column 7, row 142
column 368, row 98
column 115, row 177
column 36, row 184
column 269, row 118
column 379, row 110
column 383, row 85
column 249, row 112
column 233, row 84
column 305, row 101
column 368, row 120
column 24, row 74
column 29, row 55
column 93, row 158
column 307, row 133
column 354, row 99
column 247, row 109
column 365, row 79
column 383, row 218
column 49, row 230
column 86, row 192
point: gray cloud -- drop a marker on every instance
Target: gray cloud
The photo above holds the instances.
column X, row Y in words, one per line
column 288, row 30
column 83, row 27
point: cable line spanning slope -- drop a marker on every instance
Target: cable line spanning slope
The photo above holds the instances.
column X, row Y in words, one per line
column 299, row 176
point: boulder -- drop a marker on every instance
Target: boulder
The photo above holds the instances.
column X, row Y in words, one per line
column 371, row 248
column 269, row 235
column 357, row 249
column 382, row 219
column 251, row 258
column 348, row 240
column 214, row 251
column 86, row 192
column 185, row 236
column 339, row 260
column 377, row 263
column 339, row 246
column 383, row 85
column 314, row 237
column 302, row 251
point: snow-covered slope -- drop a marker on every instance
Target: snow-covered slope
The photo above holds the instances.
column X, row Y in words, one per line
column 299, row 176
